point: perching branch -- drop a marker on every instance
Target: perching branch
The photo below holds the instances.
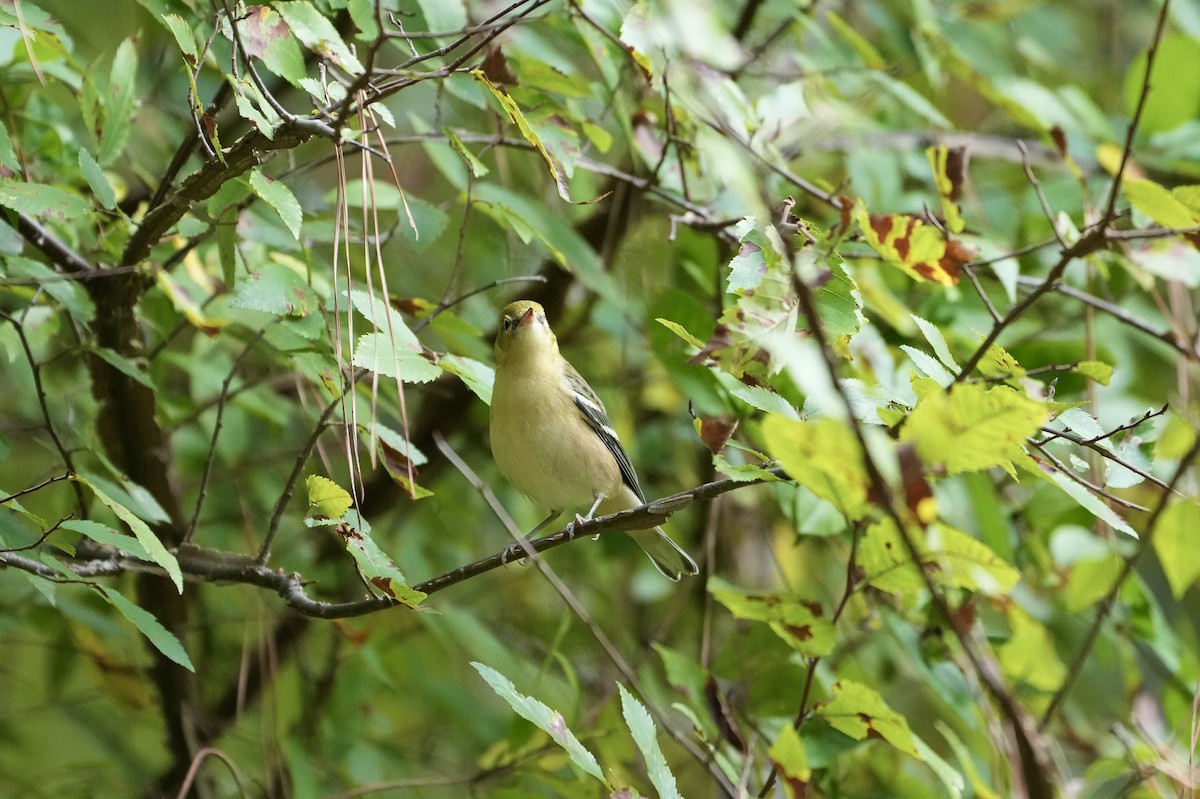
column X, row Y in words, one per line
column 225, row 567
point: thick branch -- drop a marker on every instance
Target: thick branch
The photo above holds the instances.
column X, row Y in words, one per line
column 54, row 248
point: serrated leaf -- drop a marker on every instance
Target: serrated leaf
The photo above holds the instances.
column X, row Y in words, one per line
column 8, row 156
column 645, row 735
column 103, row 534
column 682, row 332
column 384, row 355
column 276, row 289
column 1090, row 502
column 549, row 721
column 517, row 117
column 476, row 375
column 973, row 427
column 154, row 547
column 149, row 626
column 327, row 499
column 791, row 762
column 931, row 366
column 373, row 563
column 477, row 167
column 317, row 33
column 183, row 33
column 1175, row 543
column 936, row 340
column 118, row 104
column 860, row 712
column 800, row 622
column 279, row 197
column 907, row 242
column 951, row 558
column 68, row 292
column 37, row 199
column 824, row 456
column 96, row 179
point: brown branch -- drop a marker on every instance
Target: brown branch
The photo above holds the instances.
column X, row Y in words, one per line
column 223, row 567
column 49, row 245
column 1093, row 240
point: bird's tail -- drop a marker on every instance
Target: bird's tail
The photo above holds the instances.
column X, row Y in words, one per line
column 668, row 557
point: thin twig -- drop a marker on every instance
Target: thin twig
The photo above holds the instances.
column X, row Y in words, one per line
column 1084, row 649
column 212, row 445
column 47, row 422
column 1131, row 131
column 264, row 553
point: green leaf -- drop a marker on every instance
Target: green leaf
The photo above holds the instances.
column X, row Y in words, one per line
column 327, row 499
column 123, row 365
column 936, row 340
column 1091, row 579
column 681, row 331
column 444, row 15
column 1090, row 502
column 145, row 536
column 149, row 626
column 974, row 427
column 37, row 199
column 8, row 156
column 476, row 375
column 865, row 50
column 1159, row 204
column 385, row 355
column 373, row 563
column 477, row 167
column 1174, row 67
column 645, row 735
column 317, row 33
column 279, row 197
column 1175, row 543
column 951, row 558
column 517, row 117
column 1099, row 371
column 185, row 37
column 800, row 622
column 1028, row 655
column 549, row 721
column 276, row 289
column 103, row 534
column 96, row 179
column 823, row 456
column 791, row 761
column 363, row 14
column 226, row 229
column 118, row 104
column 68, row 292
column 860, row 712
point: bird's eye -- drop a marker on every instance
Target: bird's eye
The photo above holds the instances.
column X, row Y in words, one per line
column 508, row 323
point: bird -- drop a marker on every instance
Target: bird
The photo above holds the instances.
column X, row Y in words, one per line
column 552, row 439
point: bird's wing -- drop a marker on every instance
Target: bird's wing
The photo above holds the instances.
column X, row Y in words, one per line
column 592, row 409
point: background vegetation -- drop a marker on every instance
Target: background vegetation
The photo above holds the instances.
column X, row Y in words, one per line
column 894, row 303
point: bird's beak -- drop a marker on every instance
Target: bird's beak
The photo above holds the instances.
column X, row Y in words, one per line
column 526, row 318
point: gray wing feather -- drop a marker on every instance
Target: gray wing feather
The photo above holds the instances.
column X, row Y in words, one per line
column 593, row 413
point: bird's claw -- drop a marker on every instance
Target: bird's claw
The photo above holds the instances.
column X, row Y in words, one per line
column 515, row 550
